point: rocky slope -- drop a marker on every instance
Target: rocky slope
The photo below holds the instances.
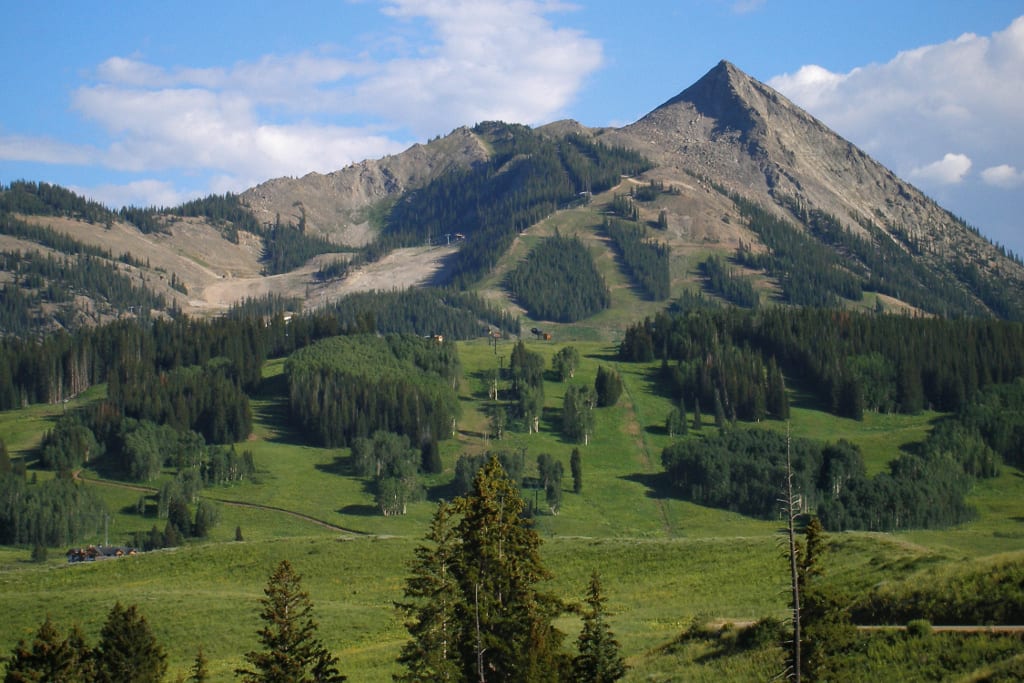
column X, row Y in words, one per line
column 340, row 205
column 738, row 132
column 727, row 131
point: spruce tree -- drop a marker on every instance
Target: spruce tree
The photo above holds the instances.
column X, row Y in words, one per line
column 576, row 467
column 599, row 659
column 292, row 652
column 50, row 658
column 607, row 386
column 475, row 611
column 432, row 600
column 508, row 621
column 127, row 651
column 200, row 672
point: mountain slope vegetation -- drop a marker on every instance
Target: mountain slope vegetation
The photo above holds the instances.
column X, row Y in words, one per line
column 272, row 404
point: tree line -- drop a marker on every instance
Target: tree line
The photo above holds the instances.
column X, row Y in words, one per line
column 527, row 178
column 474, row 604
column 855, row 361
column 829, row 262
column 558, row 281
column 45, row 199
column 722, row 280
column 348, row 387
column 743, row 470
column 646, row 261
column 426, row 311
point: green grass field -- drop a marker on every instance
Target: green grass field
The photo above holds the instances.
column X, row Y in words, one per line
column 665, row 562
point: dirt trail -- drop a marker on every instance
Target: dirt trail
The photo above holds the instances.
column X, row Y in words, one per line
column 635, row 430
column 233, row 503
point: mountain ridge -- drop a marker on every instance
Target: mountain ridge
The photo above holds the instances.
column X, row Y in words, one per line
column 725, row 140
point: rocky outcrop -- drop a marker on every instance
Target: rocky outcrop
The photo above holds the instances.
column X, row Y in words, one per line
column 341, row 205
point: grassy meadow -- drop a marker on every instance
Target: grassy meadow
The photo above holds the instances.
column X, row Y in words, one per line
column 666, row 564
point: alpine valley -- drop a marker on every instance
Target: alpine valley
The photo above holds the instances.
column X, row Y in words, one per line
column 719, row 307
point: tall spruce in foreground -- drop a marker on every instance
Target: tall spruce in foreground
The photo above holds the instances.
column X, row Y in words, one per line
column 292, row 652
column 433, row 600
column 128, row 652
column 476, row 612
column 599, row 659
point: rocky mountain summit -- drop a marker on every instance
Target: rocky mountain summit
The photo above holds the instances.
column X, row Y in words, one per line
column 726, row 146
column 734, row 130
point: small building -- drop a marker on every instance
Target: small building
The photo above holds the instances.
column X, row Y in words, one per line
column 92, row 553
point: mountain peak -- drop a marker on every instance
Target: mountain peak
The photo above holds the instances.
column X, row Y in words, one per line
column 723, row 94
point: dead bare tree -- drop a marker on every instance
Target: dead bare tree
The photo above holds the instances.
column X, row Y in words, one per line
column 791, row 508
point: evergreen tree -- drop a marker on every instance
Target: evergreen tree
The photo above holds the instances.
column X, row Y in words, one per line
column 776, row 399
column 432, row 604
column 6, row 467
column 511, row 631
column 576, row 467
column 599, row 659
column 551, row 472
column 826, row 628
column 292, row 651
column 200, row 672
column 608, row 386
column 206, row 519
column 127, row 651
column 476, row 611
column 49, row 658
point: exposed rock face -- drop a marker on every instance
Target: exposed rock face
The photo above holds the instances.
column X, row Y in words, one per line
column 736, row 131
column 339, row 205
column 727, row 129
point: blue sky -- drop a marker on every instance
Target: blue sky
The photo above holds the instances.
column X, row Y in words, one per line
column 155, row 103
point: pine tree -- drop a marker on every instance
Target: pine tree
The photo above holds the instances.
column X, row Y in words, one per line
column 599, row 659
column 49, row 658
column 128, row 652
column 432, row 600
column 510, row 629
column 200, row 672
column 475, row 610
column 576, row 467
column 607, row 386
column 292, row 652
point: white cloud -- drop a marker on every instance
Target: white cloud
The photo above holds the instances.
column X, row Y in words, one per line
column 747, row 6
column 950, row 169
column 45, row 150
column 1003, row 175
column 967, row 93
column 148, row 192
column 313, row 111
column 492, row 60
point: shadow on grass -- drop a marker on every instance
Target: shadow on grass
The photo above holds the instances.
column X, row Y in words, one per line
column 446, row 491
column 270, row 408
column 341, row 465
column 658, row 485
column 607, row 357
column 360, row 510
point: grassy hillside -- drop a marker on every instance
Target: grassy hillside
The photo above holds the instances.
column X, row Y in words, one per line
column 666, row 564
